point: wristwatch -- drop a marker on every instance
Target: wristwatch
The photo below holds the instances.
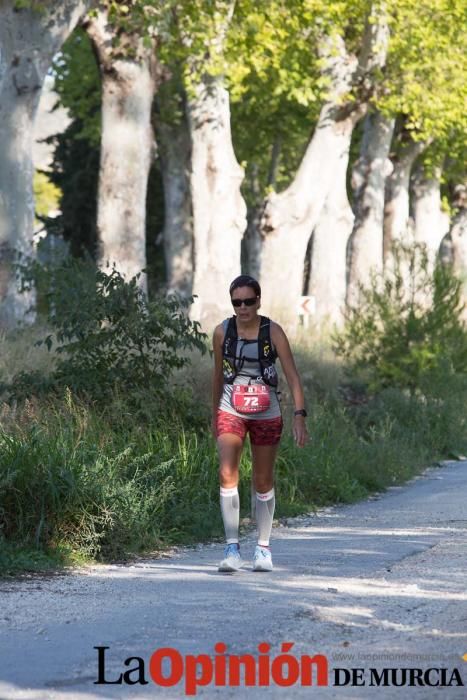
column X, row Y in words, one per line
column 300, row 412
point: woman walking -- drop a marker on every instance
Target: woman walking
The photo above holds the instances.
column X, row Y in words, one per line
column 245, row 399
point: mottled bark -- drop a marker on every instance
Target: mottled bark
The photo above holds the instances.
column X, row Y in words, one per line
column 458, row 232
column 397, row 226
column 445, row 251
column 252, row 240
column 174, row 148
column 327, row 282
column 458, row 237
column 290, row 217
column 29, row 38
column 368, row 178
column 127, row 148
column 431, row 223
column 219, row 211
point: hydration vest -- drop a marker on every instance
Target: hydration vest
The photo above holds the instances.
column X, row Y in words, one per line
column 267, row 355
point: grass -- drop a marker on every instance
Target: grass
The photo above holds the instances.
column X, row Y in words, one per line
column 17, row 352
column 81, row 483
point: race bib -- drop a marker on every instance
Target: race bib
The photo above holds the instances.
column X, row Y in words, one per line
column 250, row 398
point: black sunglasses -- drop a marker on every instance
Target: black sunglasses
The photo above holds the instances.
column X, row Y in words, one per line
column 248, row 302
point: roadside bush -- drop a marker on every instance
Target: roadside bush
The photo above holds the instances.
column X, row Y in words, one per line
column 97, row 482
column 407, row 326
column 108, row 337
column 70, row 479
column 113, row 457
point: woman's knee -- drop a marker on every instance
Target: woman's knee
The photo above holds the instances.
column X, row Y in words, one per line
column 263, row 482
column 228, row 475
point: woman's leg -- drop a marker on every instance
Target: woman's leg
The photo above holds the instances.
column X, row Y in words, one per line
column 264, row 457
column 265, row 436
column 229, row 445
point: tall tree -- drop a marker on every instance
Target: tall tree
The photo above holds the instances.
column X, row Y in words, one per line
column 290, row 216
column 31, row 33
column 328, row 259
column 404, row 152
column 458, row 236
column 129, row 78
column 427, row 90
column 174, row 147
column 430, row 221
column 369, row 174
column 219, row 210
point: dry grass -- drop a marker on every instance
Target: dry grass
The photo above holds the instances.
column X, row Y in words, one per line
column 19, row 353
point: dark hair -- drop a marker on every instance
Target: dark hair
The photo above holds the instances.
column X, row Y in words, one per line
column 245, row 281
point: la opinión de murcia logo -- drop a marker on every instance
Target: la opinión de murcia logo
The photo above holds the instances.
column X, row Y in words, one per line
column 167, row 667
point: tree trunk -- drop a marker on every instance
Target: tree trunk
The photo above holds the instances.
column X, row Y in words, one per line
column 458, row 235
column 290, row 217
column 446, row 256
column 328, row 261
column 28, row 39
column 127, row 149
column 219, row 211
column 251, row 243
column 175, row 153
column 431, row 224
column 459, row 250
column 252, row 238
column 396, row 209
column 369, row 174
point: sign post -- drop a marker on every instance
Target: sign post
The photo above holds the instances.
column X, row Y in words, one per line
column 306, row 307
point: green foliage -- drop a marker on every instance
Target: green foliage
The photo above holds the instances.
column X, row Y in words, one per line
column 407, row 327
column 46, row 194
column 107, row 336
column 75, row 171
column 76, row 157
column 78, row 85
column 426, row 68
column 70, row 479
column 82, row 481
column 19, row 558
column 35, row 5
column 281, row 87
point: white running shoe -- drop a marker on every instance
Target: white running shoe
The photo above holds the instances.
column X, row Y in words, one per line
column 232, row 560
column 262, row 560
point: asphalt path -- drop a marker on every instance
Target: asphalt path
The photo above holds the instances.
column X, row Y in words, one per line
column 376, row 585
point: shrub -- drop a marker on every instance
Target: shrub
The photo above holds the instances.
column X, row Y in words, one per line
column 107, row 336
column 406, row 326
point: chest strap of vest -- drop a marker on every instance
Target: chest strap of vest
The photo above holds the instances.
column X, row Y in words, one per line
column 229, row 351
column 266, row 353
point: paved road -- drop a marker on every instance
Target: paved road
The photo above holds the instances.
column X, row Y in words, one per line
column 377, row 584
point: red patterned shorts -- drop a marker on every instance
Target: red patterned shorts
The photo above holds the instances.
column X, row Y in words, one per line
column 262, row 432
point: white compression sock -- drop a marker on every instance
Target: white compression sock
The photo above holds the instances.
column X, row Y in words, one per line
column 230, row 509
column 265, row 504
